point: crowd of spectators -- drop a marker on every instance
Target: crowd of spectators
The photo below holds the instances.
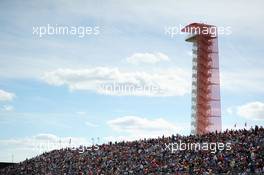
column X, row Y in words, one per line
column 150, row 156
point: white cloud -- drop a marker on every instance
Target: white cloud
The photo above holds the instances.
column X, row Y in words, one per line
column 252, row 110
column 150, row 58
column 139, row 127
column 171, row 82
column 252, row 81
column 137, row 123
column 45, row 138
column 49, row 137
column 81, row 113
column 90, row 124
column 230, row 110
column 6, row 96
column 173, row 10
column 7, row 108
column 28, row 147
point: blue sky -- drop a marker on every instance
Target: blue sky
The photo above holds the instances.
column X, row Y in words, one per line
column 49, row 85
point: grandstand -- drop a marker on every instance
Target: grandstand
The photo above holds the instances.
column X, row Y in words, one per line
column 5, row 164
column 150, row 156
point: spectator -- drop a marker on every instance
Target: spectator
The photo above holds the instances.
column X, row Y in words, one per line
column 149, row 156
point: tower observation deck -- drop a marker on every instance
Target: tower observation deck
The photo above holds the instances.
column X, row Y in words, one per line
column 206, row 101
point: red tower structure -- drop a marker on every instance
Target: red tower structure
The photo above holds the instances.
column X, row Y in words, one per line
column 206, row 101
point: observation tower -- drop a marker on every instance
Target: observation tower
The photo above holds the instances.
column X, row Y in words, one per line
column 206, row 101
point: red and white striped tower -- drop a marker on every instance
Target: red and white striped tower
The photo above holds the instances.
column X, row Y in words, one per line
column 206, row 101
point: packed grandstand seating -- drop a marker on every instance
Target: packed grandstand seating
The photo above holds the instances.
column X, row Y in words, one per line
column 150, row 156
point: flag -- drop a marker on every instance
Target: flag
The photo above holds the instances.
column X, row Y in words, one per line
column 235, row 125
column 245, row 124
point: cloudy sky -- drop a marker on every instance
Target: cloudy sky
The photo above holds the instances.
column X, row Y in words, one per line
column 53, row 86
